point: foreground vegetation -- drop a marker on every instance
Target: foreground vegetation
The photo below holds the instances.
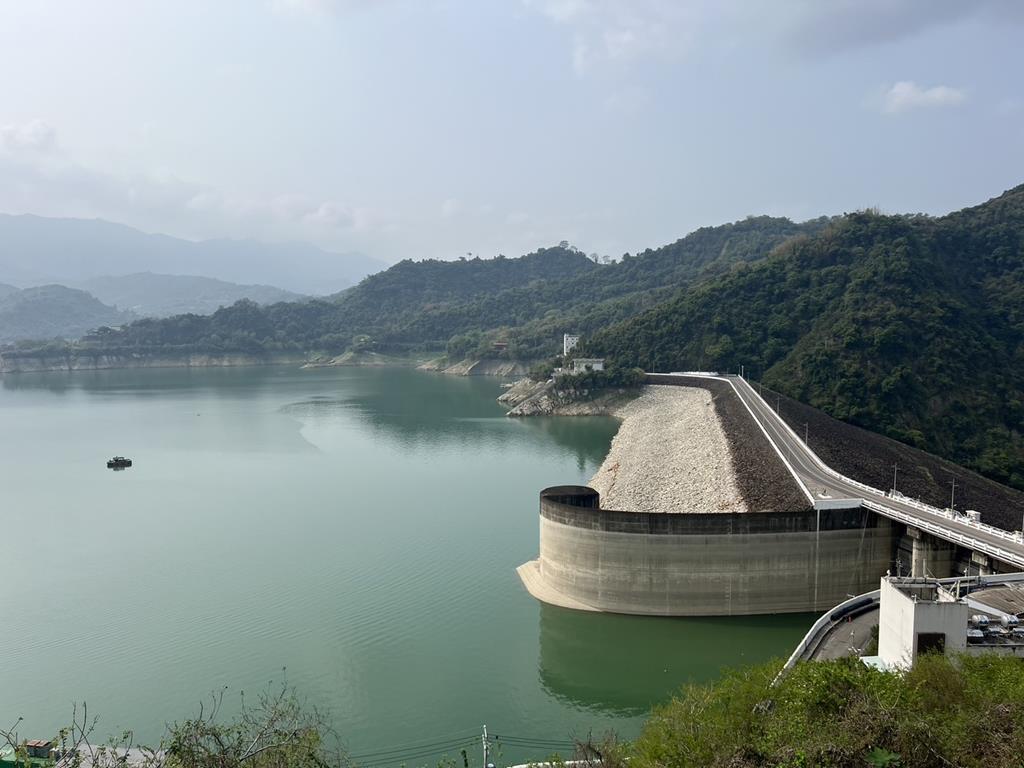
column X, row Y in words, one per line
column 277, row 730
column 966, row 711
column 840, row 714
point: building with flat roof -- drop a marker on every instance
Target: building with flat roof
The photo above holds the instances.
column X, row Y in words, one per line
column 918, row 616
column 583, row 364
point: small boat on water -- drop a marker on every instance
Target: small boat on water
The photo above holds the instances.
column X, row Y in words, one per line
column 119, row 462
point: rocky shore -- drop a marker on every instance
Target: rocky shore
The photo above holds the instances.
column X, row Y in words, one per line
column 470, row 367
column 543, row 398
column 671, row 454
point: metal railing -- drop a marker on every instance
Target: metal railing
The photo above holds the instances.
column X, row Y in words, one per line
column 942, row 531
column 824, row 622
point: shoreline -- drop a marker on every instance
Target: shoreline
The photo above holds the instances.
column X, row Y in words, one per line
column 526, row 398
column 15, row 362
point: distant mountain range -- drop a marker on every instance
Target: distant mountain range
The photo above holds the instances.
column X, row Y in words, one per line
column 67, row 312
column 35, row 250
column 150, row 295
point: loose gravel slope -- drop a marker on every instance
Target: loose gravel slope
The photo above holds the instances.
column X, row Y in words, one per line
column 693, row 448
column 670, row 455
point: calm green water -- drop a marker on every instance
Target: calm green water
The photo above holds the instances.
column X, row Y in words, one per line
column 358, row 527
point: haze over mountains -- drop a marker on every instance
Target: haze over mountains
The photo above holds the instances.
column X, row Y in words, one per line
column 35, row 250
column 52, row 311
column 151, row 295
column 121, row 274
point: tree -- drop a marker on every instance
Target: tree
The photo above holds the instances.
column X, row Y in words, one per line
column 277, row 731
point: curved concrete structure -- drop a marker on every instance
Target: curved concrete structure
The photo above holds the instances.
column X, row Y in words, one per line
column 703, row 564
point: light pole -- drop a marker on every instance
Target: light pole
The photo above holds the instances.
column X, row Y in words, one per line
column 894, row 479
column 952, row 494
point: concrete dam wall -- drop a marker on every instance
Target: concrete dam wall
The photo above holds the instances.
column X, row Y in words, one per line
column 703, row 564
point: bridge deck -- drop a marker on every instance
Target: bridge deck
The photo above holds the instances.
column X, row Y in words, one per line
column 817, row 480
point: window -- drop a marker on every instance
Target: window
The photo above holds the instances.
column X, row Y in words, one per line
column 931, row 642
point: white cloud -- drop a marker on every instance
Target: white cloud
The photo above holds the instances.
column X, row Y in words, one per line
column 622, row 31
column 35, row 136
column 906, row 95
column 450, row 207
column 323, row 7
column 616, row 31
column 39, row 177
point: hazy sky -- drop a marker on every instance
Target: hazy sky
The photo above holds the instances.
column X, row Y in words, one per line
column 433, row 128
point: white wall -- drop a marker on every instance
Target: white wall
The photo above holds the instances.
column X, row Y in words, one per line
column 901, row 619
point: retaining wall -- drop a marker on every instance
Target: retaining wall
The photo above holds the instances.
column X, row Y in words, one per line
column 704, row 564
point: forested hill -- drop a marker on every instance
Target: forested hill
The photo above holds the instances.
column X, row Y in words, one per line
column 528, row 301
column 907, row 325
column 50, row 311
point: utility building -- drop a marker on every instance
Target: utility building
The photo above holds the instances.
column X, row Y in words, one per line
column 918, row 616
column 583, row 364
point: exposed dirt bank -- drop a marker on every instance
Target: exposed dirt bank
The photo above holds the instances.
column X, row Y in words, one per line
column 363, row 359
column 471, row 367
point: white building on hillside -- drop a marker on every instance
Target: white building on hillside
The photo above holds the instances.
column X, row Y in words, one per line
column 569, row 342
column 583, row 364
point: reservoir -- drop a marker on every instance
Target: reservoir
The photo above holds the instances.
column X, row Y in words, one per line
column 351, row 531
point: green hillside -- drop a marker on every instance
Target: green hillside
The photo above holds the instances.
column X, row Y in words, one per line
column 53, row 311
column 529, row 301
column 907, row 325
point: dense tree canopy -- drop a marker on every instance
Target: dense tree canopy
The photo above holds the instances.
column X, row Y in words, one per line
column 907, row 325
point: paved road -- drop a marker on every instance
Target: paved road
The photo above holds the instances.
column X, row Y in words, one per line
column 847, row 638
column 818, row 483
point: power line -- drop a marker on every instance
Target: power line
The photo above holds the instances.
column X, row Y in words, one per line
column 530, row 742
column 447, row 742
column 411, row 756
column 416, row 751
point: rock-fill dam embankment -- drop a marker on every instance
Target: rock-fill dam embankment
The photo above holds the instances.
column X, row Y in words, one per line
column 693, row 513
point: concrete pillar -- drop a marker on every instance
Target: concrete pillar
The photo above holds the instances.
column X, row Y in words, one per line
column 930, row 557
column 982, row 563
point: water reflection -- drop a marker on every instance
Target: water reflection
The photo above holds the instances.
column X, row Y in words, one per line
column 624, row 665
column 417, row 409
column 587, row 436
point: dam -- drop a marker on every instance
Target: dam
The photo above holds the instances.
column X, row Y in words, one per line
column 706, row 564
column 786, row 554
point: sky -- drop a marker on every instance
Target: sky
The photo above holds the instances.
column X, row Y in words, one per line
column 436, row 128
